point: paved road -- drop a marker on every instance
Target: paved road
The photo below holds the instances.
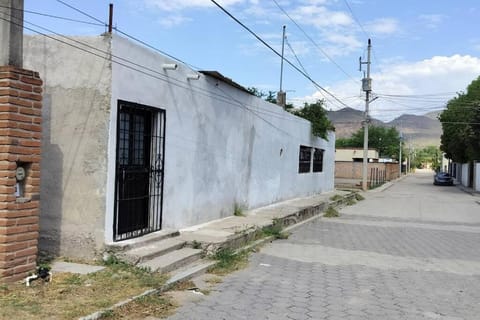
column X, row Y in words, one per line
column 411, row 251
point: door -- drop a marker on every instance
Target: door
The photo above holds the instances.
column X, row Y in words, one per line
column 139, row 170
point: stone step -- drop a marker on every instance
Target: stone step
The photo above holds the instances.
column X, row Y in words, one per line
column 190, row 271
column 143, row 241
column 173, row 260
column 151, row 250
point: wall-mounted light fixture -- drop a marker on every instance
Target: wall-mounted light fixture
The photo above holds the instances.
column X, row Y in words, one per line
column 169, row 66
column 193, row 76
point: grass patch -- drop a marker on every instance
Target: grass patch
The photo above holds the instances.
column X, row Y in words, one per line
column 336, row 197
column 229, row 261
column 350, row 202
column 238, row 210
column 214, row 280
column 274, row 230
column 196, row 244
column 71, row 296
column 156, row 305
column 331, row 212
column 359, row 197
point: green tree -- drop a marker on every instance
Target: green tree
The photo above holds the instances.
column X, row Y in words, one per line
column 317, row 115
column 385, row 140
column 460, row 139
column 271, row 96
column 430, row 155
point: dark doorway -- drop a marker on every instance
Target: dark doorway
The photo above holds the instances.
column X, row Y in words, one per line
column 139, row 170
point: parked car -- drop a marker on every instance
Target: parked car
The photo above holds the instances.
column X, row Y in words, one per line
column 443, row 179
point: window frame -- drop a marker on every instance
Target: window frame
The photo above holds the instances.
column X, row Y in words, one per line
column 304, row 164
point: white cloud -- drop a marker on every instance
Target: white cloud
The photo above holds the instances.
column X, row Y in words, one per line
column 432, row 21
column 174, row 5
column 439, row 75
column 321, row 17
column 383, row 26
column 173, row 20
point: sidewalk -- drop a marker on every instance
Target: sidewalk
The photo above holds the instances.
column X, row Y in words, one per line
column 236, row 232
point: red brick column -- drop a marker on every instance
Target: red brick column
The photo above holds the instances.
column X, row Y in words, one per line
column 20, row 133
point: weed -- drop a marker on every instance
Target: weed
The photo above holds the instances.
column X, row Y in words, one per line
column 238, row 210
column 336, row 197
column 154, row 305
column 214, row 280
column 196, row 244
column 274, row 230
column 70, row 296
column 228, row 261
column 331, row 212
column 74, row 279
column 351, row 202
column 107, row 314
column 359, row 197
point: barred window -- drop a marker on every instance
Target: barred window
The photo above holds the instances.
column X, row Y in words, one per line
column 304, row 159
column 318, row 160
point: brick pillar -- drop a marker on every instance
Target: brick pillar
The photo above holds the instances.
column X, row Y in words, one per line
column 20, row 133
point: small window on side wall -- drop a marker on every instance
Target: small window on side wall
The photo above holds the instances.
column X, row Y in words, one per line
column 318, row 160
column 304, row 159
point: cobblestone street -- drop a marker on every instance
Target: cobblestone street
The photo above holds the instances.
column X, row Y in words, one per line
column 368, row 264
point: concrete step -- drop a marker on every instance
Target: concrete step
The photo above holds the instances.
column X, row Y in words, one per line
column 143, row 241
column 151, row 250
column 190, row 271
column 173, row 260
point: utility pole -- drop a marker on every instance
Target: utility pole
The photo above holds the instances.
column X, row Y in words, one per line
column 281, row 95
column 367, row 87
column 400, row 157
column 11, row 33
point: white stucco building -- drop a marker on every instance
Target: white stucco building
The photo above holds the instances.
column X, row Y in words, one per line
column 134, row 143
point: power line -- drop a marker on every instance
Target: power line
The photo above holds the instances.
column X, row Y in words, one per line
column 355, row 18
column 278, row 54
column 314, row 43
column 226, row 99
column 129, row 36
column 82, row 12
column 53, row 16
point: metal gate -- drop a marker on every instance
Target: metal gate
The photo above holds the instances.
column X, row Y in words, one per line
column 139, row 170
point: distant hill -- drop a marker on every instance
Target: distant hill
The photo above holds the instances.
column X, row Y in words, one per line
column 348, row 121
column 418, row 130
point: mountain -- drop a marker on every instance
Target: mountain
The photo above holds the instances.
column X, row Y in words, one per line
column 348, row 121
column 417, row 130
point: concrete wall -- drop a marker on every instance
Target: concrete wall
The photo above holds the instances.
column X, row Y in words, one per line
column 465, row 174
column 223, row 145
column 353, row 170
column 74, row 146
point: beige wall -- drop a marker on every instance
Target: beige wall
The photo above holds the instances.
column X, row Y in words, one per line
column 347, row 154
column 353, row 170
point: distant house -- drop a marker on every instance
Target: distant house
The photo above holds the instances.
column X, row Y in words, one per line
column 355, row 154
column 135, row 143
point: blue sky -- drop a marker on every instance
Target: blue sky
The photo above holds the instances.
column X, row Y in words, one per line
column 423, row 51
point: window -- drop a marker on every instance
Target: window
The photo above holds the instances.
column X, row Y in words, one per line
column 318, row 160
column 304, row 159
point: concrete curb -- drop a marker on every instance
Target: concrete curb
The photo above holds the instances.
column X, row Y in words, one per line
column 242, row 241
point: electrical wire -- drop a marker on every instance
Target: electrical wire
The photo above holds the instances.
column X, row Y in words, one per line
column 314, row 43
column 82, row 12
column 277, row 53
column 53, row 16
column 130, row 36
column 225, row 99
